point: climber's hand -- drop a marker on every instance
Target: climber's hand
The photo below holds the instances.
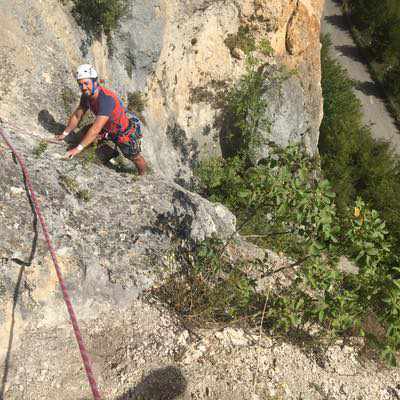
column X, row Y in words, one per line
column 72, row 153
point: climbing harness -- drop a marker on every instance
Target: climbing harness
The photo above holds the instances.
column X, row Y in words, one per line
column 132, row 132
column 72, row 315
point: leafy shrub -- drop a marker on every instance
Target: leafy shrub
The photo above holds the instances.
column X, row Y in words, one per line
column 244, row 114
column 242, row 40
column 95, row 16
column 136, row 103
column 207, row 287
column 265, row 47
column 72, row 186
column 40, row 148
column 376, row 31
column 352, row 160
column 288, row 208
column 285, row 204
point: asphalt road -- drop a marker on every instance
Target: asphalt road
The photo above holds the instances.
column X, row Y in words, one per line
column 345, row 51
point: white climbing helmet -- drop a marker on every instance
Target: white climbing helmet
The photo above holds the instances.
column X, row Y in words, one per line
column 86, row 71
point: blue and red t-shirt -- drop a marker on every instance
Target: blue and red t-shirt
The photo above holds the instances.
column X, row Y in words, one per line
column 107, row 104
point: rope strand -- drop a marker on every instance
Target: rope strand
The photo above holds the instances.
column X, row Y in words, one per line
column 84, row 354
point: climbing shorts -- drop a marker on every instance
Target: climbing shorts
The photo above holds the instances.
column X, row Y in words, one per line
column 128, row 141
column 130, row 148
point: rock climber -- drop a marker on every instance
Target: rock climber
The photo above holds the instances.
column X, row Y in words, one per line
column 113, row 122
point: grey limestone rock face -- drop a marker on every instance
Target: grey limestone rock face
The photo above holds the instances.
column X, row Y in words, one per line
column 137, row 45
column 111, row 232
column 287, row 120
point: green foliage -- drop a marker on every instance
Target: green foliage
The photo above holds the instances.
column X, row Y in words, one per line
column 245, row 125
column 137, row 104
column 84, row 195
column 341, row 131
column 281, row 191
column 242, row 40
column 377, row 31
column 89, row 155
column 245, row 114
column 220, row 179
column 353, row 161
column 208, row 287
column 283, row 203
column 265, row 47
column 95, row 16
column 72, row 186
column 290, row 209
column 40, row 148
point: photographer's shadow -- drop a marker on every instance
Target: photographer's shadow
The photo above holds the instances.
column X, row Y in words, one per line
column 166, row 383
column 161, row 384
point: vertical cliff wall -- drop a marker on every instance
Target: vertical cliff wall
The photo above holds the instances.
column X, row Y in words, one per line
column 175, row 53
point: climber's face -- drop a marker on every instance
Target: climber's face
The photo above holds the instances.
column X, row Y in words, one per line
column 86, row 86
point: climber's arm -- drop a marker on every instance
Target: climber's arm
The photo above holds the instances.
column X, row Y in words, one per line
column 73, row 122
column 90, row 135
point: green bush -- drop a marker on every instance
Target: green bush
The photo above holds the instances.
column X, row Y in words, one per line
column 72, row 186
column 207, row 287
column 284, row 204
column 95, row 16
column 377, row 31
column 355, row 163
column 265, row 47
column 243, row 40
column 286, row 207
column 40, row 148
column 137, row 104
column 244, row 114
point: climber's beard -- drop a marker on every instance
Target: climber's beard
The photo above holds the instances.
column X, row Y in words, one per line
column 86, row 92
